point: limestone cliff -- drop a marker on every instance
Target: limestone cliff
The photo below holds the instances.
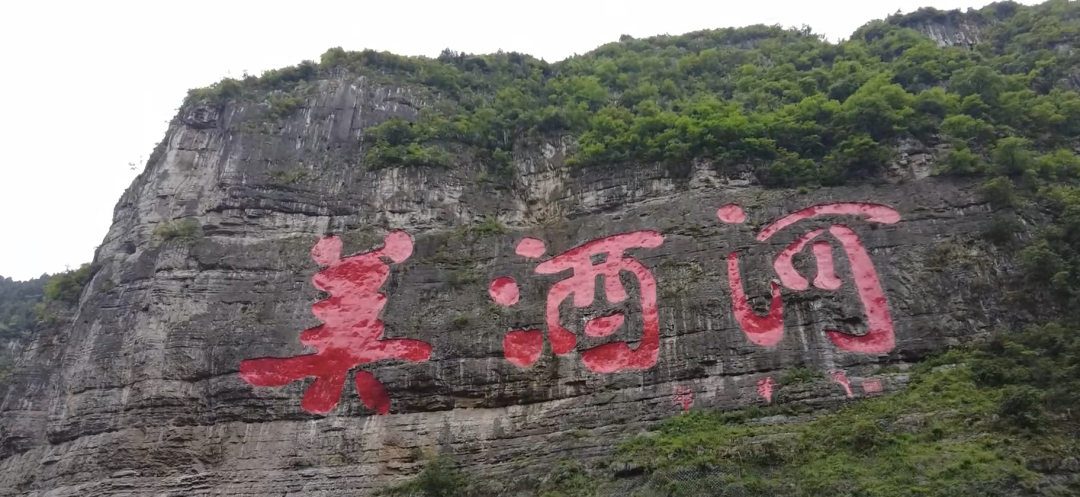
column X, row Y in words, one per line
column 142, row 394
column 209, row 263
column 947, row 29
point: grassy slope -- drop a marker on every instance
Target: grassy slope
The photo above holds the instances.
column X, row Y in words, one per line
column 946, row 434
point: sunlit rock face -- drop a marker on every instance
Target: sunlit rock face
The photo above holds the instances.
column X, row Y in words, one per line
column 959, row 32
column 233, row 339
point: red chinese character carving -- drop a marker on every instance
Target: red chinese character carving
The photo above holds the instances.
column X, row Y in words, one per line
column 523, row 347
column 839, row 377
column 871, row 386
column 683, row 396
column 765, row 388
column 769, row 329
column 351, row 334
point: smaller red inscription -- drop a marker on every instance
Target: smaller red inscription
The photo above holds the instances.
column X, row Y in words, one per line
column 839, row 377
column 604, row 326
column 683, row 396
column 765, row 388
column 504, row 291
column 871, row 386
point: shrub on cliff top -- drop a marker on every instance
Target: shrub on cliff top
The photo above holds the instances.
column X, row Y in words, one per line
column 184, row 230
column 439, row 478
column 66, row 286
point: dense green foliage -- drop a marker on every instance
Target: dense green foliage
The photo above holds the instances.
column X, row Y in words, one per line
column 186, row 230
column 18, row 303
column 795, row 108
column 1052, row 260
column 439, row 478
column 24, row 304
column 67, row 286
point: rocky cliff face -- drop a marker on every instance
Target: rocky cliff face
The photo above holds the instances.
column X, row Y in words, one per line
column 947, row 29
column 962, row 33
column 209, row 263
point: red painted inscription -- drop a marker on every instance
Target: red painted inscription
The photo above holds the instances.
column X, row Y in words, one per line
column 683, row 396
column 604, row 326
column 839, row 377
column 769, row 329
column 504, row 291
column 731, row 213
column 531, row 248
column 870, row 387
column 765, row 388
column 352, row 332
column 523, row 348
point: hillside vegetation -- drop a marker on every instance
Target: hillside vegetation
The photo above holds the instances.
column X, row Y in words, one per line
column 997, row 420
column 17, row 317
column 796, row 109
column 26, row 304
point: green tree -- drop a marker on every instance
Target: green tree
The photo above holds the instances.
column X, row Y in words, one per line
column 961, row 162
column 1012, row 157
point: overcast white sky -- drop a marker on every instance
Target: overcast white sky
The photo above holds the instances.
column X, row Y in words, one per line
column 89, row 85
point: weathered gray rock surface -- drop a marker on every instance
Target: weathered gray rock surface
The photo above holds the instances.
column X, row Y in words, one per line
column 141, row 395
